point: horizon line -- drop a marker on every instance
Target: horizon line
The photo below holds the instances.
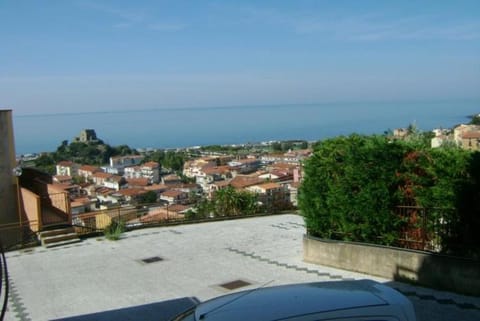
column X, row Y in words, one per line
column 246, row 106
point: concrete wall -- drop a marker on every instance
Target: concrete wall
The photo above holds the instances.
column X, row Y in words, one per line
column 442, row 272
column 31, row 209
column 8, row 182
column 58, row 198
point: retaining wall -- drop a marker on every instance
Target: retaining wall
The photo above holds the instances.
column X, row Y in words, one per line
column 432, row 270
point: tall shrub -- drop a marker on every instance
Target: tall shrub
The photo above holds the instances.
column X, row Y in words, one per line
column 349, row 188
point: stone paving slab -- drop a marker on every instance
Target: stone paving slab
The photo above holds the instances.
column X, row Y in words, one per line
column 96, row 276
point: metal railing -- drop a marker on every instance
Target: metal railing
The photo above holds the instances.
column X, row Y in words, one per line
column 4, row 286
column 18, row 235
column 96, row 222
column 425, row 229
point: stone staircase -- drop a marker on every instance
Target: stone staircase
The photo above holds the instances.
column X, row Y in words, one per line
column 57, row 236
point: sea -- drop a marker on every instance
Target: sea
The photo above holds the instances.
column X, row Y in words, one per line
column 167, row 128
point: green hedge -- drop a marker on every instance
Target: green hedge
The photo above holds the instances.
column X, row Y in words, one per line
column 353, row 184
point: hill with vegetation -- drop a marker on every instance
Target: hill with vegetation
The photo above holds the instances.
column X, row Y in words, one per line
column 92, row 153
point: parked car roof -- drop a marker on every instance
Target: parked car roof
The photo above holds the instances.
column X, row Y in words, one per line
column 342, row 300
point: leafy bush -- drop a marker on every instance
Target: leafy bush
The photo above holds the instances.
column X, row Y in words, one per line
column 114, row 230
column 349, row 189
column 353, row 185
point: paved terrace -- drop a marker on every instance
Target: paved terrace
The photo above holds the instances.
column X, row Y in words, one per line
column 104, row 280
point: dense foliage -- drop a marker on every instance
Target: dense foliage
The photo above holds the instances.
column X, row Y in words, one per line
column 171, row 160
column 226, row 202
column 354, row 184
column 284, row 146
column 98, row 153
column 475, row 120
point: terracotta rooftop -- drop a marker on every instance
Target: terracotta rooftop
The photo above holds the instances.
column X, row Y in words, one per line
column 104, row 190
column 81, row 201
column 267, row 186
column 244, row 181
column 102, row 175
column 178, row 208
column 283, row 166
column 156, row 187
column 151, row 165
column 138, row 181
column 210, row 170
column 90, row 168
column 131, row 191
column 471, row 135
column 65, row 163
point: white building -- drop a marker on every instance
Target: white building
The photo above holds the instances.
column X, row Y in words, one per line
column 150, row 170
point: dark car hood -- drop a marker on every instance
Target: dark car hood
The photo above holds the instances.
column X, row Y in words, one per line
column 290, row 300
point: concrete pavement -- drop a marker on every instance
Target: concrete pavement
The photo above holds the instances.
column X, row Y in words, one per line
column 98, row 279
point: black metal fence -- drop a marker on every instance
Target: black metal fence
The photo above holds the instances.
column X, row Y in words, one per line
column 4, row 286
column 425, row 229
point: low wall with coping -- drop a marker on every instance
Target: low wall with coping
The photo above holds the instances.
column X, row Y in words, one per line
column 438, row 271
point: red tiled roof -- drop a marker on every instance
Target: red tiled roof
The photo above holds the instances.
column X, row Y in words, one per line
column 138, row 181
column 131, row 191
column 267, row 186
column 156, row 187
column 245, row 181
column 89, row 168
column 151, row 165
column 81, row 201
column 178, row 208
column 209, row 170
column 65, row 163
column 104, row 190
column 283, row 166
column 60, row 187
column 102, row 175
column 471, row 135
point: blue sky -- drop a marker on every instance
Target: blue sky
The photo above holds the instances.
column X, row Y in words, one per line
column 92, row 55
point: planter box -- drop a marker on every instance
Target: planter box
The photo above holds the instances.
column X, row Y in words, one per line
column 432, row 270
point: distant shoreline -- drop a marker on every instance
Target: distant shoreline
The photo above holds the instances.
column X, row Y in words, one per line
column 180, row 128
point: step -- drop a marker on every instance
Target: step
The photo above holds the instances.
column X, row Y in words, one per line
column 65, row 242
column 58, row 231
column 59, row 239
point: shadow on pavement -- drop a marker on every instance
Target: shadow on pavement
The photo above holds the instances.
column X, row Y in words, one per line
column 159, row 311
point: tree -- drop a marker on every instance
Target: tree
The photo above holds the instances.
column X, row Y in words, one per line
column 147, row 198
column 228, row 202
column 46, row 162
column 475, row 119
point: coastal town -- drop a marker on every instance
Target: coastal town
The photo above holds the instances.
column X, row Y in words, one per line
column 272, row 176
column 128, row 181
